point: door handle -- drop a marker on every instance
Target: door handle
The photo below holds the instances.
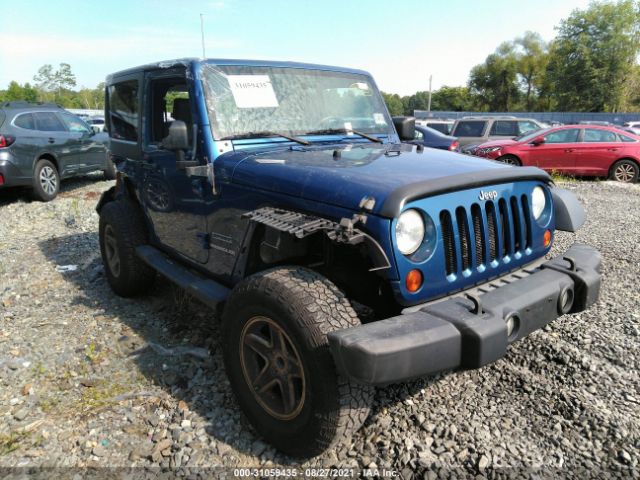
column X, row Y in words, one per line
column 51, row 140
column 568, row 150
column 612, row 149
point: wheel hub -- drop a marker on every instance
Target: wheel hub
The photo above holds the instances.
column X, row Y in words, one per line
column 48, row 180
column 272, row 368
column 624, row 173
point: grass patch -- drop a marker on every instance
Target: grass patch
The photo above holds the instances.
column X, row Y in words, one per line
column 11, row 442
column 101, row 395
column 561, row 177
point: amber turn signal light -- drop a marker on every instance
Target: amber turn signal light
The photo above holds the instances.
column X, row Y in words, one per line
column 413, row 281
column 547, row 238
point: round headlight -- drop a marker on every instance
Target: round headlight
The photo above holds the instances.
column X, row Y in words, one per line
column 538, row 202
column 409, row 232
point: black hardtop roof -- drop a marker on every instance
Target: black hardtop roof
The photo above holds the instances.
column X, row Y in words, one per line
column 185, row 62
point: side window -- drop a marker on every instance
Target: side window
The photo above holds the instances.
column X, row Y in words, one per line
column 418, row 135
column 563, row 136
column 169, row 102
column 441, row 127
column 504, row 128
column 593, row 135
column 470, row 128
column 123, row 110
column 526, row 126
column 25, row 121
column 74, row 124
column 624, row 138
column 49, row 122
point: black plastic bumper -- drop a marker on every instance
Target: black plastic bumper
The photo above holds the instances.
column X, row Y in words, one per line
column 472, row 331
column 12, row 177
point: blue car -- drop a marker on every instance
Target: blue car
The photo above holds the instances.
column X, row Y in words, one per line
column 281, row 195
column 429, row 137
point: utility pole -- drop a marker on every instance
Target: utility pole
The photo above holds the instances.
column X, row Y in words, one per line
column 202, row 32
column 429, row 103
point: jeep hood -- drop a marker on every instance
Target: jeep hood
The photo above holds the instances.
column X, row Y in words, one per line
column 391, row 174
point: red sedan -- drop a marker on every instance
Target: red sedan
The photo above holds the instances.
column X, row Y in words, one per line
column 579, row 150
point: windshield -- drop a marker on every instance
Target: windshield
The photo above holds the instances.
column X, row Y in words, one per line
column 246, row 100
column 531, row 135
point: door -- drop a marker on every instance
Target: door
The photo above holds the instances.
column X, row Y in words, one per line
column 55, row 139
column 88, row 154
column 558, row 151
column 173, row 200
column 597, row 151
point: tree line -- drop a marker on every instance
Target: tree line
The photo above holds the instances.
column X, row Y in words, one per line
column 590, row 66
column 55, row 86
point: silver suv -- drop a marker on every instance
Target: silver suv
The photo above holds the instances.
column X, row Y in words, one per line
column 472, row 131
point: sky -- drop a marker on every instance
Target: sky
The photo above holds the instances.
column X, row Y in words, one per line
column 400, row 42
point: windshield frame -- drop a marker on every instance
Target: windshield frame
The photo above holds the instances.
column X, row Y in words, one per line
column 207, row 69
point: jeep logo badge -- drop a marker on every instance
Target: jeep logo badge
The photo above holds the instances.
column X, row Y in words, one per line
column 490, row 195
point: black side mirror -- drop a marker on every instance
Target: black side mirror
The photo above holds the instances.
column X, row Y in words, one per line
column 406, row 127
column 537, row 141
column 177, row 140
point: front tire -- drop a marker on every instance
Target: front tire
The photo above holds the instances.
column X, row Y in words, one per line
column 510, row 160
column 46, row 181
column 625, row 171
column 122, row 229
column 277, row 358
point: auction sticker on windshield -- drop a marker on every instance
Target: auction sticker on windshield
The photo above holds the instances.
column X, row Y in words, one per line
column 252, row 91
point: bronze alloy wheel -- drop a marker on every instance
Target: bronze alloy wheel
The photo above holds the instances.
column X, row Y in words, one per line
column 272, row 368
column 624, row 172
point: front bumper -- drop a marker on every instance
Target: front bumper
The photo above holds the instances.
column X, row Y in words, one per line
column 469, row 331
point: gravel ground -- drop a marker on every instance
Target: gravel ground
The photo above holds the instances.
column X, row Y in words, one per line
column 88, row 379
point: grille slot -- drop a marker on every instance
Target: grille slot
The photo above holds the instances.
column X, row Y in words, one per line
column 478, row 231
column 493, row 230
column 447, row 241
column 504, row 225
column 463, row 234
column 515, row 214
column 527, row 221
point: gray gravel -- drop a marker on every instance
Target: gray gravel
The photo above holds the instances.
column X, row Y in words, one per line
column 90, row 379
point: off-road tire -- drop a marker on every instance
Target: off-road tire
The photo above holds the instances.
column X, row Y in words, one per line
column 624, row 170
column 510, row 160
column 45, row 190
column 123, row 225
column 306, row 306
column 110, row 170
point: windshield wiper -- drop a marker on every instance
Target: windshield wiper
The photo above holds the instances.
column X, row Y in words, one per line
column 329, row 131
column 265, row 134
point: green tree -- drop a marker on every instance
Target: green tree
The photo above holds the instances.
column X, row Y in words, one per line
column 532, row 59
column 53, row 83
column 15, row 91
column 495, row 82
column 594, row 55
column 456, row 99
column 394, row 103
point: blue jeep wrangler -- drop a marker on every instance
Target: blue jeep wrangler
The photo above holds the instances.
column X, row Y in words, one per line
column 337, row 257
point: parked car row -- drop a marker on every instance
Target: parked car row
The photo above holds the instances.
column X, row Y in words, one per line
column 579, row 150
column 41, row 144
